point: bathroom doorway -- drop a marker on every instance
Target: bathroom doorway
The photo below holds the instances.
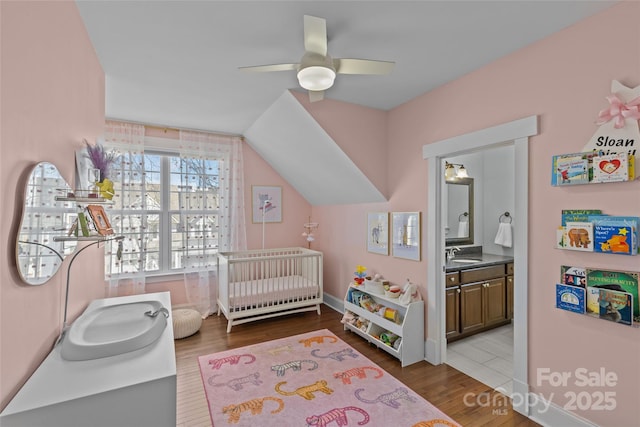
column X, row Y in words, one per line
column 516, row 133
column 486, row 356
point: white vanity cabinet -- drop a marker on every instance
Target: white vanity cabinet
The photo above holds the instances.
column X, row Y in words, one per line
column 410, row 326
column 137, row 388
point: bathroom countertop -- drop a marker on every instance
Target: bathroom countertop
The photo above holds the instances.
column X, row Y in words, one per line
column 486, row 260
column 58, row 380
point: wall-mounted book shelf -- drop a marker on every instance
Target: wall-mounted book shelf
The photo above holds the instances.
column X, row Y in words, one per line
column 593, row 167
column 609, row 295
column 604, row 294
column 589, row 230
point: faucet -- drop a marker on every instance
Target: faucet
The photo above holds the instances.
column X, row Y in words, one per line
column 162, row 310
column 451, row 253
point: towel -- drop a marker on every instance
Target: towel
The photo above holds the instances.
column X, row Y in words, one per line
column 463, row 229
column 504, row 236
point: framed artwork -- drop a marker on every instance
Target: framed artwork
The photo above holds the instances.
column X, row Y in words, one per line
column 100, row 220
column 266, row 203
column 378, row 232
column 405, row 235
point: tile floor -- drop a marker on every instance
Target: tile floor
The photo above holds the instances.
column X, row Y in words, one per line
column 487, row 357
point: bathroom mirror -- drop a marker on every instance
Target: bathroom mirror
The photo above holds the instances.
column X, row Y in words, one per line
column 39, row 252
column 460, row 214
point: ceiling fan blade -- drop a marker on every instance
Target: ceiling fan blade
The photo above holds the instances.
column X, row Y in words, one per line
column 273, row 67
column 362, row 66
column 315, row 35
column 316, row 95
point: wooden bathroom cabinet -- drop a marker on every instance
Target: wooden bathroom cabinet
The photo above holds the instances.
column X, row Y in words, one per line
column 478, row 299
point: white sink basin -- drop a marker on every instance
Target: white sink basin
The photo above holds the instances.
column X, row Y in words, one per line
column 465, row 260
column 114, row 329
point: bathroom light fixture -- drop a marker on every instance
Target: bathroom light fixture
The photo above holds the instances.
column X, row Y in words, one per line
column 449, row 171
column 316, row 78
column 451, row 174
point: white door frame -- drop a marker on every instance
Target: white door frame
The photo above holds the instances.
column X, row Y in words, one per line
column 517, row 133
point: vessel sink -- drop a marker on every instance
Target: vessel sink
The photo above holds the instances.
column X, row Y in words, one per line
column 465, row 260
column 114, row 329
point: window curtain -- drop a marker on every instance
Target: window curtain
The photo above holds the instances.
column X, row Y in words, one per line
column 126, row 276
column 200, row 262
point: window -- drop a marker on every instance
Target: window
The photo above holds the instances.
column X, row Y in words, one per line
column 167, row 208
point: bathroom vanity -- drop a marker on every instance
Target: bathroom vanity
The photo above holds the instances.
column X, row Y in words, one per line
column 136, row 388
column 479, row 294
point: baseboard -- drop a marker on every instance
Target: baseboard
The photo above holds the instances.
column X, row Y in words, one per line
column 333, row 302
column 549, row 414
column 431, row 354
column 520, row 389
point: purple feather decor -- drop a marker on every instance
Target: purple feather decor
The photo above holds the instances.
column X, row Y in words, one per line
column 100, row 159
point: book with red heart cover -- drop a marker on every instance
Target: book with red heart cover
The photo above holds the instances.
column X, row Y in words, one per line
column 616, row 167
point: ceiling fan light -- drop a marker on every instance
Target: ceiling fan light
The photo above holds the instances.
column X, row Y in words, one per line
column 316, row 78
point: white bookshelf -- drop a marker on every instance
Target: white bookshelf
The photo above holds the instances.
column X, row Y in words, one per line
column 410, row 327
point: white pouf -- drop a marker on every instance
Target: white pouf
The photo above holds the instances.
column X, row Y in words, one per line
column 186, row 322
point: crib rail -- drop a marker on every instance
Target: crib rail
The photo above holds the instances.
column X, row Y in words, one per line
column 252, row 283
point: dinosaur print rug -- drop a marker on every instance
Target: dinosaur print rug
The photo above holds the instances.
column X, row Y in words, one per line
column 312, row 379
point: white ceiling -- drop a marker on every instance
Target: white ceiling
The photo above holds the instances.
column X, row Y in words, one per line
column 174, row 63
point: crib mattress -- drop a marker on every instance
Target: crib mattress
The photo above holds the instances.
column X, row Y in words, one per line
column 272, row 291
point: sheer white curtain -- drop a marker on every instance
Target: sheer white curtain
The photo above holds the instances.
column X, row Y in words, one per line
column 214, row 216
column 126, row 276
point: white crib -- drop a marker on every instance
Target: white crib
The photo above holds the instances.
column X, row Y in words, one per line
column 264, row 283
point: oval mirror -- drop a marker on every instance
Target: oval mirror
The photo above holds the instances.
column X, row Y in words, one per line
column 40, row 246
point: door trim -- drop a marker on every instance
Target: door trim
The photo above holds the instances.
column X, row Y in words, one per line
column 517, row 133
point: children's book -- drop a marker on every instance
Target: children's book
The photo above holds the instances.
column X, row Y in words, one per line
column 616, row 234
column 574, row 276
column 579, row 236
column 593, row 301
column 614, row 167
column 616, row 306
column 570, row 298
column 581, row 215
column 572, row 170
column 613, row 239
column 561, row 237
column 621, row 281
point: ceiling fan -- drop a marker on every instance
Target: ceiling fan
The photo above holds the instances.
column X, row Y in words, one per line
column 317, row 70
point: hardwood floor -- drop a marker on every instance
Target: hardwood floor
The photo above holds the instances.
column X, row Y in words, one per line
column 442, row 385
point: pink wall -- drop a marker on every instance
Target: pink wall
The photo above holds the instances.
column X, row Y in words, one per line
column 360, row 132
column 52, row 97
column 564, row 80
column 295, row 209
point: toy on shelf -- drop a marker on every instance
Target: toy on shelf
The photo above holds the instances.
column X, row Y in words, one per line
column 361, row 273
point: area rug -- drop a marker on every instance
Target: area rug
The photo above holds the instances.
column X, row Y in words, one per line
column 312, row 379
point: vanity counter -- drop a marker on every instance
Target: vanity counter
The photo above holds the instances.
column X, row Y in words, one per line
column 478, row 295
column 485, row 260
column 134, row 388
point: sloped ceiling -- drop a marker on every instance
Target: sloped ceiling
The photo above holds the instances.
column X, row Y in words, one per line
column 175, row 63
column 314, row 164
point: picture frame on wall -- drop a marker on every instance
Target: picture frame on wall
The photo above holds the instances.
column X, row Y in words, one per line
column 266, row 203
column 406, row 235
column 378, row 232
